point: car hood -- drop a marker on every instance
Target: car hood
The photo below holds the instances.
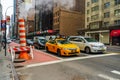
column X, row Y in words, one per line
column 96, row 43
column 68, row 45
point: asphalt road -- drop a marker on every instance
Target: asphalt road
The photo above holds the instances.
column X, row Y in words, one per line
column 83, row 67
column 110, row 49
column 93, row 67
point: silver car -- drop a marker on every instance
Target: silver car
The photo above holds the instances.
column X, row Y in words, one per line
column 88, row 44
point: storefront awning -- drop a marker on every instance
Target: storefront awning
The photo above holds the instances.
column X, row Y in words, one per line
column 115, row 33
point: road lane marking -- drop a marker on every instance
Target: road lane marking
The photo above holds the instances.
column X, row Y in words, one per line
column 43, row 63
column 107, row 77
column 116, row 72
column 88, row 57
column 65, row 60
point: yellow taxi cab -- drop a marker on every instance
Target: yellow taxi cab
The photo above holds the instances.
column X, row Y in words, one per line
column 62, row 47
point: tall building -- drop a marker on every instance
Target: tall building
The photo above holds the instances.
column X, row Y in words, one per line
column 30, row 20
column 40, row 16
column 102, row 20
column 0, row 11
column 65, row 13
column 21, row 10
column 79, row 6
column 0, row 16
column 68, row 10
column 17, row 6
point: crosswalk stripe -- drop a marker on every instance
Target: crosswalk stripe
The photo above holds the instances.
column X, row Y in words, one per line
column 107, row 77
column 116, row 72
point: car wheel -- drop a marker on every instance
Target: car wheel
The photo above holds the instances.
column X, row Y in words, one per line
column 37, row 47
column 87, row 50
column 58, row 52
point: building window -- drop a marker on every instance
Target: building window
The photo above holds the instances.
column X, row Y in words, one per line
column 88, row 19
column 107, row 15
column 94, row 25
column 88, row 4
column 117, row 2
column 117, row 22
column 106, row 24
column 58, row 20
column 95, row 17
column 57, row 13
column 117, row 12
column 88, row 26
column 107, row 5
column 88, row 11
column 94, row 1
column 95, row 8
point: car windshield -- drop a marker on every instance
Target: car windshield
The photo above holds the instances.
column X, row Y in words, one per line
column 91, row 40
column 63, row 42
column 43, row 41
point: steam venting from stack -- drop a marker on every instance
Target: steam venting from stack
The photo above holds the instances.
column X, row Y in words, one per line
column 65, row 4
column 43, row 5
column 23, row 8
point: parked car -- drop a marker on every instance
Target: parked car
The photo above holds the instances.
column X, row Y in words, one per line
column 9, row 40
column 29, row 42
column 88, row 44
column 62, row 47
column 39, row 42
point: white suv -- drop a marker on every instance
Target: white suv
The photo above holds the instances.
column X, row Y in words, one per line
column 88, row 44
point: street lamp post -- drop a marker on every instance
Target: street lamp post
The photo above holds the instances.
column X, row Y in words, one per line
column 5, row 27
column 35, row 20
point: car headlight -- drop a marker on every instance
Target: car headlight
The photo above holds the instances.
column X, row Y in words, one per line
column 93, row 45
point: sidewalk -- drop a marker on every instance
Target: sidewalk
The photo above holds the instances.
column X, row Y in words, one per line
column 5, row 68
column 38, row 57
column 113, row 48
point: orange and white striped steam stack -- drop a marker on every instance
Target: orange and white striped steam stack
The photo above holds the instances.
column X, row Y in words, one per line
column 22, row 32
column 22, row 35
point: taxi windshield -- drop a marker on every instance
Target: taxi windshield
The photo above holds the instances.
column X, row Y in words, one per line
column 63, row 42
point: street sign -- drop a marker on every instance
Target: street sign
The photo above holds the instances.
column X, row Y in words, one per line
column 3, row 25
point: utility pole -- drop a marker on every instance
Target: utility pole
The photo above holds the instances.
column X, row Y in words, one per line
column 6, row 28
column 35, row 19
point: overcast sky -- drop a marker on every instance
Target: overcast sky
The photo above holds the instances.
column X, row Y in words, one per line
column 5, row 5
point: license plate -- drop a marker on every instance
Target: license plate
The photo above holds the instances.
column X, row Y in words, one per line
column 103, row 49
column 73, row 51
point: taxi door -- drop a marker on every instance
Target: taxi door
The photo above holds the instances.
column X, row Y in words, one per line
column 54, row 47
